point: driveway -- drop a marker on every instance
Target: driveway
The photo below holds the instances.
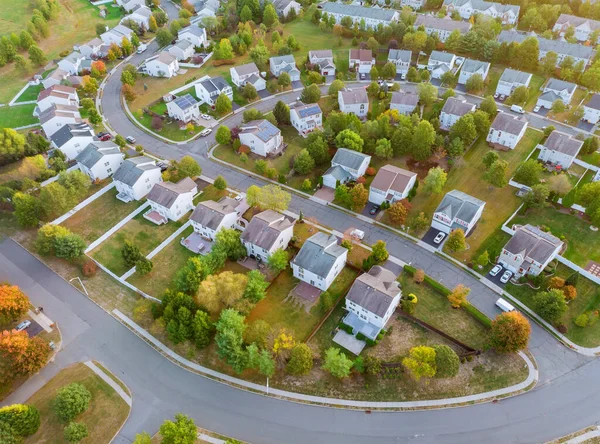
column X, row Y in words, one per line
column 325, row 193
column 496, row 279
column 430, row 236
column 34, row 329
column 586, row 126
column 297, row 84
column 264, row 94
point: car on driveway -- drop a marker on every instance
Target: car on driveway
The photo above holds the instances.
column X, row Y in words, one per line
column 205, row 132
column 130, row 140
column 502, row 97
column 497, row 269
column 103, row 137
column 496, row 95
column 536, row 109
column 506, row 276
column 440, row 237
column 23, row 325
column 362, row 76
column 205, row 116
column 357, row 234
column 374, row 209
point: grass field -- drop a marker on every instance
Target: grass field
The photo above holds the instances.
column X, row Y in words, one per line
column 593, row 158
column 17, row 116
column 534, row 91
column 30, row 93
column 169, row 130
column 105, row 415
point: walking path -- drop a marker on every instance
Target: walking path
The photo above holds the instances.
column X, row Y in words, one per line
column 584, row 437
column 83, row 204
column 110, row 381
column 44, row 321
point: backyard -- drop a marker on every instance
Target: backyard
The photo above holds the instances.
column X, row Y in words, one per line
column 170, row 129
column 31, row 93
column 17, row 116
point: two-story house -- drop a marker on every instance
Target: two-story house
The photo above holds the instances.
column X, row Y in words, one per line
column 209, row 90
column 193, row 34
column 248, row 73
column 440, row 62
column 72, row 62
column 182, row 50
column 443, row 27
column 508, row 14
column 560, row 149
column 99, row 160
column 262, row 137
column 355, row 101
column 56, row 94
column 91, row 49
column 319, row 261
column 453, row 110
column 170, row 201
column 506, row 131
column 401, row 58
column 72, row 139
column 404, row 102
column 583, row 27
column 267, row 232
column 529, row 251
column 323, row 58
column 140, row 15
column 346, row 165
column 361, row 60
column 135, row 178
column 471, row 67
column 56, row 77
column 116, row 34
column 210, row 217
column 591, row 110
column 284, row 63
column 556, row 90
column 184, row 108
column 128, row 5
column 164, row 65
column 56, row 116
column 457, row 210
column 284, row 7
column 511, row 79
column 306, row 118
column 391, row 184
column 369, row 17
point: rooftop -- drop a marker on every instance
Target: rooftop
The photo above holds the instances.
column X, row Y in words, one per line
column 70, row 130
column 349, row 158
column 471, row 65
column 248, row 68
column 545, row 45
column 319, row 253
column 210, row 213
column 166, row 193
column 133, row 168
column 404, row 98
column 560, row 85
column 354, row 96
column 185, row 102
column 441, row 56
column 457, row 107
column 311, row 109
column 390, row 177
column 513, row 76
column 508, row 123
column 531, row 242
column 459, row 205
column 375, row 290
column 444, row 24
column 264, row 228
column 263, row 129
column 563, row 143
column 400, row 54
column 360, row 11
column 95, row 151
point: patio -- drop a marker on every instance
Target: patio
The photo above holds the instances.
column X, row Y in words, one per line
column 124, row 197
column 349, row 342
column 155, row 217
column 307, row 292
column 197, row 244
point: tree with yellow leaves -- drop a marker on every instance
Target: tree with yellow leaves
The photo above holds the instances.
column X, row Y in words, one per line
column 458, row 297
column 13, row 303
column 220, row 291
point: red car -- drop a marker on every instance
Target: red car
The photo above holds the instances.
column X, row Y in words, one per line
column 105, row 137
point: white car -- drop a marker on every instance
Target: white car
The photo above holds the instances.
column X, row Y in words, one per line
column 239, row 198
column 536, row 109
column 205, row 116
column 357, row 234
column 506, row 276
column 141, row 48
column 440, row 237
column 205, row 132
column 494, row 271
column 23, row 325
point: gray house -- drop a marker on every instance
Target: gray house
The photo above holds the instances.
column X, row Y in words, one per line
column 285, row 63
column 346, row 165
column 404, row 102
column 511, row 79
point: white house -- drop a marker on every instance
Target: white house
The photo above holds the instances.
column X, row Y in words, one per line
column 56, row 77
column 361, row 60
column 401, row 58
column 306, row 118
column 135, row 178
column 193, row 34
column 457, row 210
column 391, row 184
column 262, row 137
column 56, row 95
column 453, row 110
column 100, row 160
column 248, row 73
column 529, row 251
column 284, row 7
column 72, row 139
column 371, row 17
column 508, row 14
column 346, row 165
column 591, row 110
column 511, row 79
column 284, row 63
column 556, row 90
column 355, row 101
column 209, row 217
column 92, row 48
column 184, row 108
column 560, row 149
column 506, row 131
column 323, row 58
column 443, row 27
column 404, row 102
column 209, row 90
column 471, row 67
column 371, row 301
column 319, row 261
column 72, row 62
column 116, row 34
column 56, row 116
column 414, row 4
column 183, row 50
column 267, row 232
column 128, row 5
column 165, row 65
column 141, row 15
column 170, row 201
column 583, row 27
column 439, row 63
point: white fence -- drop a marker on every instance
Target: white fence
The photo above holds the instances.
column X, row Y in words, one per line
column 86, row 202
column 127, row 284
column 55, row 178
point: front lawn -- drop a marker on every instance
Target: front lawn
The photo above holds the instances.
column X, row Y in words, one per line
column 492, row 80
column 31, row 93
column 170, row 129
column 534, row 91
column 17, row 116
column 210, row 193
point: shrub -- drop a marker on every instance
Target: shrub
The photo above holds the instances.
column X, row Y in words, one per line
column 245, row 149
column 556, row 282
column 370, row 171
column 419, row 276
column 143, row 266
column 220, row 183
column 75, row 432
column 407, row 306
column 301, row 360
column 306, row 185
column 570, row 292
column 446, row 362
column 347, row 328
column 71, row 401
column 22, row 418
column 372, row 365
column 582, row 320
column 89, row 268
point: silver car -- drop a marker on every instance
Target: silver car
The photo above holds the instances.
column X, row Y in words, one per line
column 23, row 325
column 506, row 277
column 497, row 269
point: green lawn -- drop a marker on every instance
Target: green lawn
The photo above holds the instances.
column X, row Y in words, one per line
column 593, row 159
column 169, row 130
column 210, row 193
column 17, row 116
column 14, row 17
column 492, row 80
column 30, row 93
column 534, row 91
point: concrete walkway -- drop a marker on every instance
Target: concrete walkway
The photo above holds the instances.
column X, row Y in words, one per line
column 584, row 437
column 110, row 381
column 45, row 322
column 83, row 204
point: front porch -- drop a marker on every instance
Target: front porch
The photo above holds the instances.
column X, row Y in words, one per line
column 155, row 217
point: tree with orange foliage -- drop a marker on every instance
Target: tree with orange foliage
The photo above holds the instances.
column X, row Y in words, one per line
column 570, row 292
column 13, row 303
column 21, row 354
column 510, row 332
column 398, row 211
column 98, row 69
column 458, row 297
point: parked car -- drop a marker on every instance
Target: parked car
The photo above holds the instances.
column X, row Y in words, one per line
column 536, row 109
column 205, row 116
column 363, row 76
column 205, row 132
column 23, row 325
column 502, row 97
column 357, row 234
column 163, row 166
column 440, row 237
column 506, row 276
column 239, row 198
column 104, row 137
column 504, row 306
column 130, row 140
column 496, row 95
column 517, row 109
column 494, row 271
column 374, row 209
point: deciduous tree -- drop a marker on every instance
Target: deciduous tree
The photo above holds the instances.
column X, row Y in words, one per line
column 223, row 104
column 24, row 419
column 70, row 401
column 303, row 162
column 397, row 213
column 420, row 362
column 337, row 363
column 458, row 297
column 456, row 241
column 435, row 180
column 550, row 305
column 13, row 303
column 529, row 172
column 181, row 431
column 510, row 332
column 497, row 174
column 278, row 261
column 447, row 362
column 301, row 360
column 229, row 339
column 359, row 196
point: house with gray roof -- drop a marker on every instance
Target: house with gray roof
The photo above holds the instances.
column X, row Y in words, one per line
column 266, row 233
column 372, row 17
column 91, row 48
column 440, row 62
column 128, row 5
column 184, row 108
column 170, row 201
column 56, row 77
column 72, row 139
column 582, row 26
column 135, row 178
column 209, row 217
column 56, row 94
column 284, row 63
column 508, row 14
column 248, row 73
column 193, row 34
column 529, row 251
column 210, row 89
column 163, row 65
column 560, row 150
column 454, row 109
column 391, row 184
column 116, row 34
column 470, row 67
column 591, row 110
column 346, row 165
column 555, row 90
column 443, row 27
column 56, row 116
column 511, row 79
column 99, row 160
column 140, row 14
column 401, row 58
column 284, row 7
column 355, row 101
column 72, row 62
column 182, row 50
column 457, row 210
column 262, row 137
column 404, row 102
column 323, row 58
column 306, row 117
column 506, row 131
column 320, row 260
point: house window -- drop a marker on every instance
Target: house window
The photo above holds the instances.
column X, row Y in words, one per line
column 109, row 170
column 107, row 164
column 147, row 179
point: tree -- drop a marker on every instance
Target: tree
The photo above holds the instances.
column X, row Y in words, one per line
column 314, row 77
column 130, row 253
column 127, row 78
column 412, row 75
column 383, row 149
column 278, row 261
column 335, row 87
column 537, row 197
column 163, row 36
column 21, row 354
column 36, row 55
column 126, row 46
column 449, row 79
column 301, row 360
column 229, row 339
column 465, row 129
column 526, row 54
column 488, row 105
column 24, row 419
column 558, row 106
column 529, row 172
column 318, row 149
column 223, row 135
column 256, row 288
column 483, row 259
column 303, row 162
column 45, row 243
column 520, row 95
column 281, row 113
column 311, row 94
column 260, row 55
column 422, row 140
column 143, row 266
column 187, row 167
column 458, row 297
column 89, row 85
column 71, row 401
column 284, row 80
column 270, row 16
column 420, row 362
column 246, row 14
column 152, row 26
column 70, row 246
column 397, row 213
column 489, row 158
column 456, row 241
column 550, row 305
column 181, row 431
column 13, row 303
column 27, row 209
column 75, row 432
column 497, row 174
column 202, row 329
column 269, row 197
column 249, row 92
column 223, row 104
column 388, row 71
column 510, row 332
column 220, row 183
column 359, row 196
column 228, row 241
column 379, row 252
column 549, row 62
column 427, row 93
column 474, row 83
column 350, row 140
column 337, row 363
column 447, row 362
column 128, row 92
column 589, row 195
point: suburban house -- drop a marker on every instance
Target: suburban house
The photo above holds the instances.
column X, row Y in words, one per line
column 248, row 73
column 135, row 178
column 323, row 58
column 182, row 50
column 583, row 26
column 443, row 27
column 404, row 102
column 306, row 118
column 72, row 139
column 355, row 101
column 453, row 110
column 508, row 14
column 346, row 165
column 414, row 4
column 371, row 301
column 319, row 261
column 116, row 34
column 440, row 62
column 591, row 110
column 562, row 48
column 284, row 63
column 193, row 34
column 262, row 137
column 457, row 210
column 284, row 7
column 170, row 201
column 391, row 184
column 556, row 90
column 56, row 95
column 471, row 67
column 372, row 17
column 165, row 65
column 529, row 251
column 401, row 58
column 100, row 160
column 128, row 5
column 511, row 79
column 184, row 108
column 56, row 77
column 209, row 217
column 560, row 149
column 267, row 232
column 140, row 15
column 92, row 48
column 56, row 116
column 209, row 90
column 506, row 131
column 72, row 62
column 361, row 60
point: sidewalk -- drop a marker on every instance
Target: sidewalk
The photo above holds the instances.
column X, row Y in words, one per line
column 110, row 381
column 45, row 322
